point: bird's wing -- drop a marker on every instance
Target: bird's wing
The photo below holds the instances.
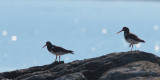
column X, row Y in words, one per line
column 134, row 37
column 60, row 49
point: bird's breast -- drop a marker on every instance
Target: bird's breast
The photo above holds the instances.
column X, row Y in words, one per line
column 131, row 41
column 58, row 53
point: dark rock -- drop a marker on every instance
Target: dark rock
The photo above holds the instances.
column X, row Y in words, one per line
column 74, row 76
column 134, row 65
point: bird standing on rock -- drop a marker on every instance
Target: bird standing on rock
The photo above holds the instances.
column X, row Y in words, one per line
column 58, row 51
column 130, row 37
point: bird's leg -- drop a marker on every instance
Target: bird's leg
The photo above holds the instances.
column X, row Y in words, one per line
column 56, row 58
column 132, row 47
column 59, row 58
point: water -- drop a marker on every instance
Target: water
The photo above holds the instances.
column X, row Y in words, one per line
column 86, row 27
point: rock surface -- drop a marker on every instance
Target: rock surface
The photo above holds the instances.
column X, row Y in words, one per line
column 136, row 65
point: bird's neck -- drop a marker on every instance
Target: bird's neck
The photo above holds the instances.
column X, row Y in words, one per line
column 126, row 32
column 49, row 47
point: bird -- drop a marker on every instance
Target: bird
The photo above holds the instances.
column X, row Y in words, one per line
column 56, row 50
column 130, row 37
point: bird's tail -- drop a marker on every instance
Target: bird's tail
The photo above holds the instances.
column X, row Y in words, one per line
column 71, row 52
column 142, row 41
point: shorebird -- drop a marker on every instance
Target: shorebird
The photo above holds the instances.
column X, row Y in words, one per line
column 56, row 50
column 130, row 37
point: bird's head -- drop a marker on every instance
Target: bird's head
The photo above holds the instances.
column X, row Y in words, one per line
column 47, row 44
column 125, row 29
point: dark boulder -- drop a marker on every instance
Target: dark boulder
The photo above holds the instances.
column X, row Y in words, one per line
column 135, row 65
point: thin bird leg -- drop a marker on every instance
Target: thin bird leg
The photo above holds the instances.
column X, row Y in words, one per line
column 132, row 47
column 56, row 58
column 59, row 58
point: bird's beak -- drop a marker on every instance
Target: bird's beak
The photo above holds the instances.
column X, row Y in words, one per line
column 44, row 46
column 119, row 31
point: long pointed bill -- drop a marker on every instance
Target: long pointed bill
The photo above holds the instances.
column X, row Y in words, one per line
column 44, row 46
column 119, row 31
